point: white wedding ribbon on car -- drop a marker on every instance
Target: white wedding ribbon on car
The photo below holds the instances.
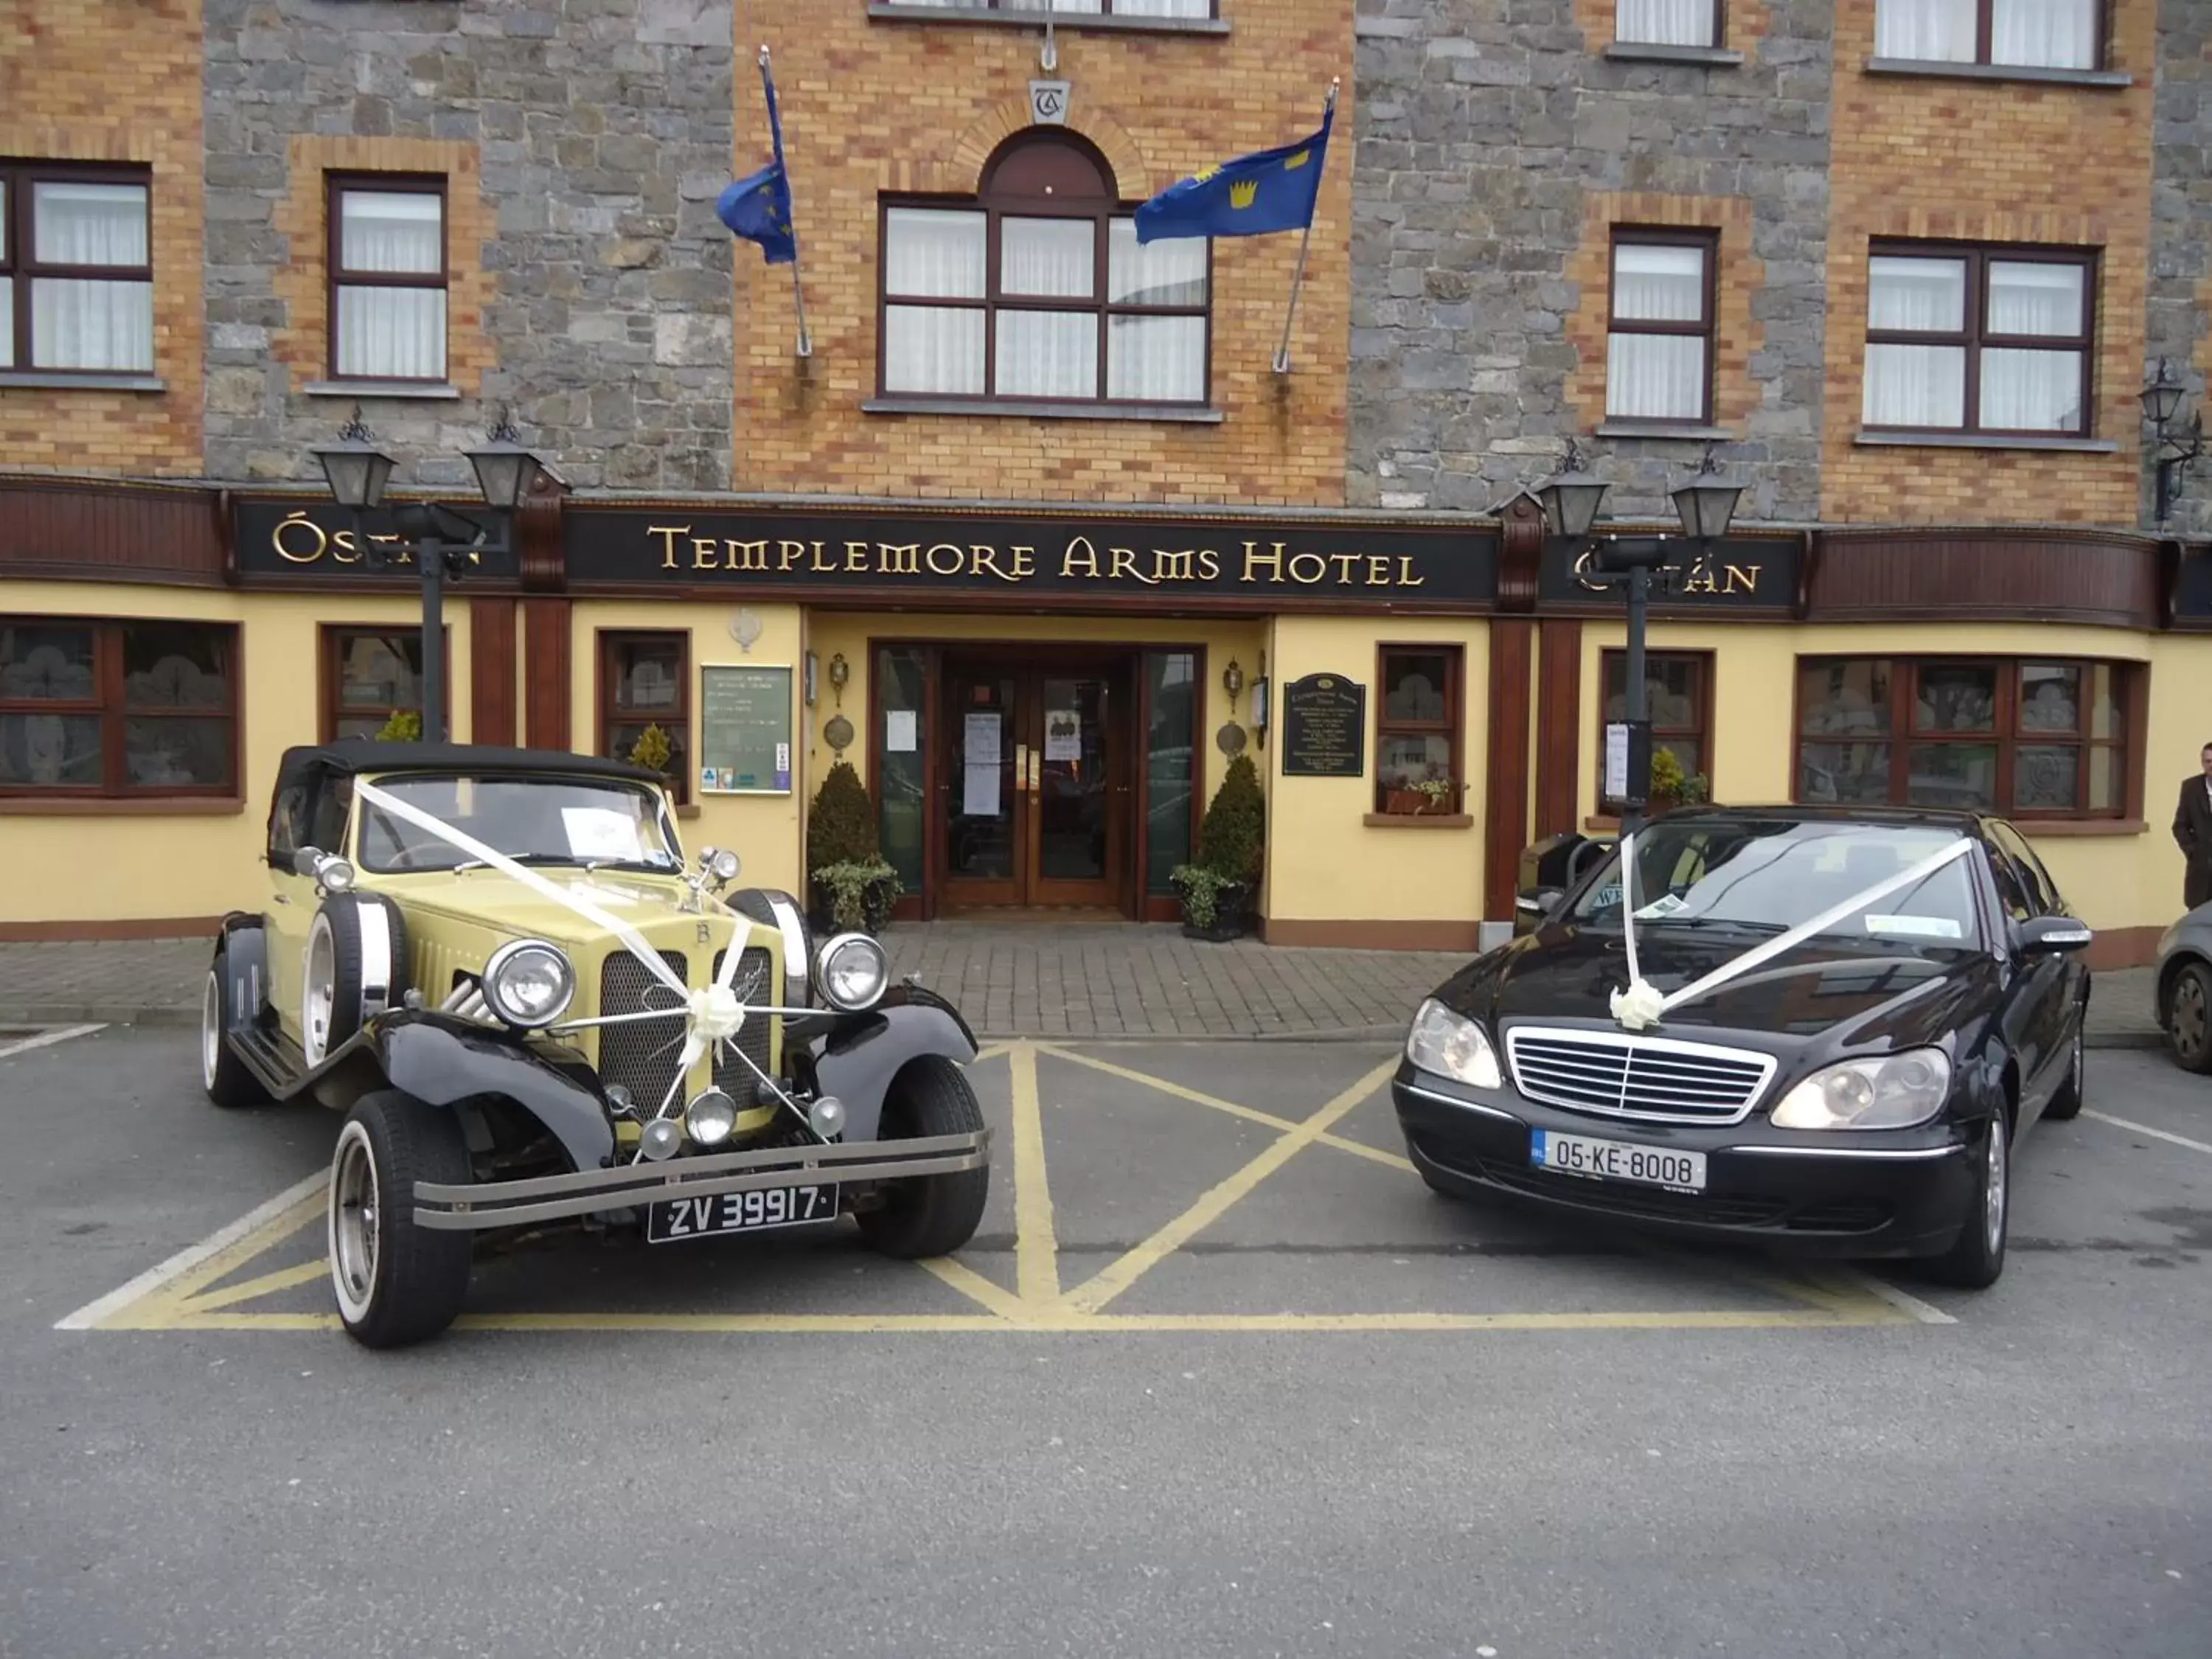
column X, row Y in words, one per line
column 710, row 1016
column 1640, row 1005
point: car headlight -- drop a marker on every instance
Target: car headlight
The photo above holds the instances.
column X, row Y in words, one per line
column 1893, row 1092
column 1452, row 1045
column 852, row 971
column 710, row 1117
column 529, row 982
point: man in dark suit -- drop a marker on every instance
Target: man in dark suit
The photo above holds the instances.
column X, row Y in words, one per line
column 2192, row 827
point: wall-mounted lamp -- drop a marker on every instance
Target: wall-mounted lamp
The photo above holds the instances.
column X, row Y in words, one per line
column 839, row 673
column 1233, row 679
column 1259, row 706
column 2175, row 444
column 813, row 665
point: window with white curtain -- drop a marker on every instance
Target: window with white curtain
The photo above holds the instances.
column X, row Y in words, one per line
column 1659, row 342
column 1182, row 9
column 1989, row 340
column 76, row 277
column 1039, row 290
column 387, row 280
column 1667, row 23
column 2007, row 33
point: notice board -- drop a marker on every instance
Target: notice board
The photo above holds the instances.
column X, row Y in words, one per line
column 1324, row 727
column 744, row 731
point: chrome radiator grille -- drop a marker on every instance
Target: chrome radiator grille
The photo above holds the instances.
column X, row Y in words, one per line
column 1655, row 1079
column 752, row 984
column 641, row 1056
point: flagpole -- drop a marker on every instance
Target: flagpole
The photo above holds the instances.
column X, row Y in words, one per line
column 1305, row 241
column 798, row 291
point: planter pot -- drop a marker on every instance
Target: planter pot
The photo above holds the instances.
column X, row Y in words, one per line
column 1413, row 804
column 1232, row 917
column 876, row 902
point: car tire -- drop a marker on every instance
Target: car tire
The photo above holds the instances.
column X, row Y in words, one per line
column 356, row 966
column 396, row 1283
column 2067, row 1103
column 222, row 1075
column 928, row 1215
column 1975, row 1263
column 2187, row 1017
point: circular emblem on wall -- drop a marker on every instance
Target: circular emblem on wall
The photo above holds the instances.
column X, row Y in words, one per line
column 1230, row 739
column 745, row 628
column 838, row 733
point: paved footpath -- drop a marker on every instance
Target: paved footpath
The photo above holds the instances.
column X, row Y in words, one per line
column 1017, row 980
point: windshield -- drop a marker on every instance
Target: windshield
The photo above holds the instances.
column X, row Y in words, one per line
column 534, row 820
column 1774, row 874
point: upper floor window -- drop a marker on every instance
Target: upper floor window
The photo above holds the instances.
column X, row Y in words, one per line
column 1669, row 22
column 77, row 274
column 1039, row 290
column 1081, row 8
column 2014, row 34
column 1659, row 358
column 118, row 708
column 1990, row 340
column 387, row 279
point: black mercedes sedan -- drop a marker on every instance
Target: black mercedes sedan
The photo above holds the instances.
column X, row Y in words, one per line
column 1819, row 1029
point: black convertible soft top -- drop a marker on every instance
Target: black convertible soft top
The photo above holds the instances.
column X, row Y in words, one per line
column 350, row 759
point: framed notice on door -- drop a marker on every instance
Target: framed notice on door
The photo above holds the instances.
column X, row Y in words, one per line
column 744, row 731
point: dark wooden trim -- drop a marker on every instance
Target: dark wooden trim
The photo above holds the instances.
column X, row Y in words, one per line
column 40, row 933
column 1506, row 802
column 547, row 651
column 1370, row 935
column 540, row 552
column 491, row 671
column 1559, row 695
column 1520, row 553
column 1419, row 821
column 79, row 805
column 101, row 531
column 2105, row 578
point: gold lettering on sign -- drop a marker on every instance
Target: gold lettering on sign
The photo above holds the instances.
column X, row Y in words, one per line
column 1209, row 565
column 1320, row 568
column 856, row 556
column 292, row 553
column 1172, row 567
column 703, row 550
column 816, row 564
column 1090, row 559
column 1406, row 576
column 1584, row 561
column 668, row 533
column 1253, row 557
column 1378, row 570
column 898, row 560
column 746, row 556
column 1700, row 578
column 987, row 559
column 789, row 554
column 1748, row 574
column 959, row 560
column 1024, row 562
column 1125, row 564
column 1344, row 563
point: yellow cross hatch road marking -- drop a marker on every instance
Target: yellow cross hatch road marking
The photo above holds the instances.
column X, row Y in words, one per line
column 196, row 1289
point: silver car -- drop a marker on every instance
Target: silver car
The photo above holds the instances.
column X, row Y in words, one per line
column 2185, row 989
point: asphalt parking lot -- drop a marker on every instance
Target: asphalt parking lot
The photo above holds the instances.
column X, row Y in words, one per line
column 1219, row 1376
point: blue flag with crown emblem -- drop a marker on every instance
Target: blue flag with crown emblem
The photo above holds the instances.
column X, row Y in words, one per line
column 1254, row 195
column 758, row 207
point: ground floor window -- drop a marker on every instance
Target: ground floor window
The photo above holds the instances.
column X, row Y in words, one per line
column 1677, row 700
column 2021, row 738
column 118, row 708
column 1417, row 736
column 371, row 676
column 645, row 710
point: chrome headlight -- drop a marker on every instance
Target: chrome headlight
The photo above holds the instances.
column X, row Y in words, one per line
column 529, row 982
column 1452, row 1045
column 852, row 971
column 710, row 1117
column 1892, row 1091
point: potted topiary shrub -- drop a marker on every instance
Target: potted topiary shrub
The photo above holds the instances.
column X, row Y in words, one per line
column 849, row 886
column 1671, row 787
column 652, row 750
column 405, row 726
column 1218, row 887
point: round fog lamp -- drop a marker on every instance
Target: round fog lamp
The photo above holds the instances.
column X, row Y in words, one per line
column 619, row 1101
column 661, row 1140
column 852, row 971
column 827, row 1116
column 710, row 1117
column 336, row 875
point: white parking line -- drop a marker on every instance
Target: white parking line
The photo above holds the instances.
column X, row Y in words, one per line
column 45, row 1039
column 2145, row 1129
column 1903, row 1301
column 192, row 1255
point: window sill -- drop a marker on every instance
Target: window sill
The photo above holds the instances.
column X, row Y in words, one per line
column 1651, row 52
column 1419, row 821
column 128, row 806
column 1698, row 435
column 1937, row 70
column 1975, row 440
column 2035, row 828
column 687, row 810
column 437, row 390
column 39, row 380
column 889, row 11
column 1186, row 413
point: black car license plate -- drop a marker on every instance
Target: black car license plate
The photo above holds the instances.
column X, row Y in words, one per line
column 672, row 1220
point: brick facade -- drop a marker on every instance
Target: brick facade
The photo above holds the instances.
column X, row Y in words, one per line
column 2000, row 160
column 872, row 105
column 114, row 81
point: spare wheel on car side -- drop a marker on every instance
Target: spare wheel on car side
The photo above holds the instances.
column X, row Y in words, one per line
column 356, row 966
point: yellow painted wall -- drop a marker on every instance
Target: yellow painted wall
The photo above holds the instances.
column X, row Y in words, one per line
column 99, row 865
column 2128, row 878
column 761, row 830
column 1324, row 863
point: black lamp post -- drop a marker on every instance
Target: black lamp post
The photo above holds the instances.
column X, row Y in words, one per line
column 1706, row 505
column 2162, row 402
column 439, row 540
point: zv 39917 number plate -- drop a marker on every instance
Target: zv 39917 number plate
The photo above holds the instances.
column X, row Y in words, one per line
column 674, row 1219
column 1617, row 1160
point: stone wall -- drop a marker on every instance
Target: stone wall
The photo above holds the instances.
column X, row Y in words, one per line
column 583, row 142
column 2181, row 293
column 1487, row 128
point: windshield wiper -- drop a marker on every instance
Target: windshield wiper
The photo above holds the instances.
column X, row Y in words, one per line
column 1711, row 921
column 519, row 858
column 647, row 865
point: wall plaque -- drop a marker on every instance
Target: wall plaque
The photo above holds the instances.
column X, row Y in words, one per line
column 1324, row 727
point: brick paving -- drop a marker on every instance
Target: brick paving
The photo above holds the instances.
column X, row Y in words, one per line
column 1094, row 981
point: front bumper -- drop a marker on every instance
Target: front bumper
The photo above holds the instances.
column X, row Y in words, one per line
column 1900, row 1193
column 474, row 1206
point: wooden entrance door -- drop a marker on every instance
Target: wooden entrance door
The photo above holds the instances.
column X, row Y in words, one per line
column 1035, row 784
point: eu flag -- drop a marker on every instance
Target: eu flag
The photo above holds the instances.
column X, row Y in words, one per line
column 758, row 207
column 1252, row 195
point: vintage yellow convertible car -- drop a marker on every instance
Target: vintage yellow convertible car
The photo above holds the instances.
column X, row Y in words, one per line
column 498, row 963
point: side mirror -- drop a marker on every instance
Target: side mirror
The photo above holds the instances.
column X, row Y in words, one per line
column 2043, row 936
column 1529, row 909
